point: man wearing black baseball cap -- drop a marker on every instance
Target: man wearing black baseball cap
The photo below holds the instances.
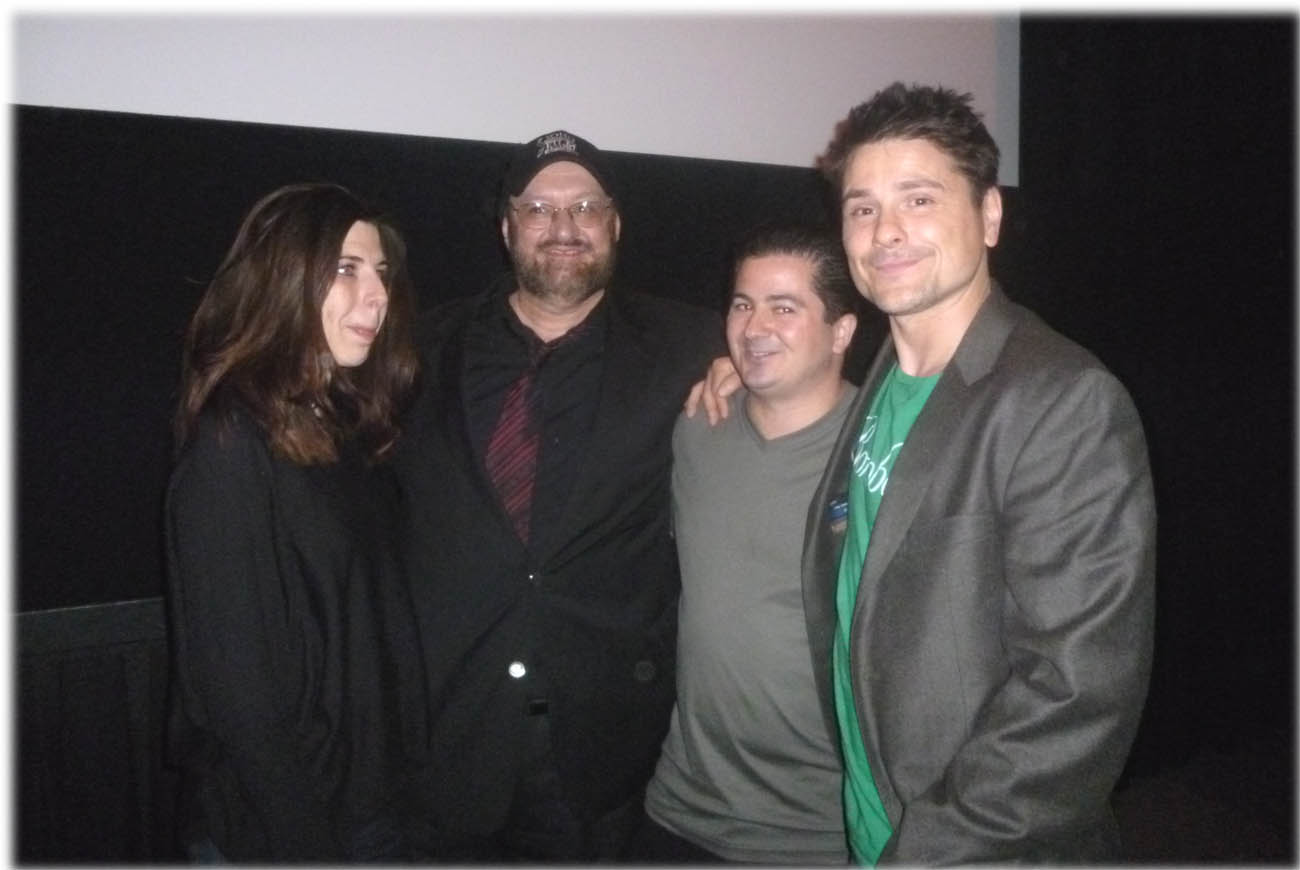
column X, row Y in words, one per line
column 535, row 468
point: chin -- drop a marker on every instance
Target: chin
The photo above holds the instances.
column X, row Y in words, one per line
column 757, row 386
column 351, row 360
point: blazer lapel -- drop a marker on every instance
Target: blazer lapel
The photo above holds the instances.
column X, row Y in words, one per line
column 824, row 537
column 910, row 478
column 928, row 439
column 449, row 407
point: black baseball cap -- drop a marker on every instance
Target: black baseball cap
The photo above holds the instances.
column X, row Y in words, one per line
column 531, row 157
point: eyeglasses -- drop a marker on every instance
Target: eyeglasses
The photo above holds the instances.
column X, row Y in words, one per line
column 588, row 213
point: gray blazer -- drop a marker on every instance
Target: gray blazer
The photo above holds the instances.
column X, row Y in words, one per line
column 1002, row 637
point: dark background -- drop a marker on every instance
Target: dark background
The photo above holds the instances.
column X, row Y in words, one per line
column 122, row 217
column 1154, row 223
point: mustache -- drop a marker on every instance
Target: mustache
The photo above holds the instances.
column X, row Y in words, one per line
column 577, row 243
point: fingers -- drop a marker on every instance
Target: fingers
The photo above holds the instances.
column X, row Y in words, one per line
column 719, row 382
column 713, row 406
column 693, row 399
column 722, row 380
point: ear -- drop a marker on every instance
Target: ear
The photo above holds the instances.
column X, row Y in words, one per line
column 505, row 231
column 843, row 330
column 618, row 225
column 992, row 213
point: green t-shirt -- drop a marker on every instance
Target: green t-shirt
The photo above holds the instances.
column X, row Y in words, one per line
column 893, row 410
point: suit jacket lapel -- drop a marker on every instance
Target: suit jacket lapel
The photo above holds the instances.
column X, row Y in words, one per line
column 449, row 407
column 824, row 539
column 928, row 439
column 911, row 478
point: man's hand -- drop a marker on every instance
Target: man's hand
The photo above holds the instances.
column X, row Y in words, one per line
column 719, row 382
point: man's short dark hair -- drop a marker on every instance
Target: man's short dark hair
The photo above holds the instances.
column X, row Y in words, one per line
column 939, row 115
column 821, row 247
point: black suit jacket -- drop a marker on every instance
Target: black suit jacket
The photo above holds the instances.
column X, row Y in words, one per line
column 1002, row 634
column 592, row 617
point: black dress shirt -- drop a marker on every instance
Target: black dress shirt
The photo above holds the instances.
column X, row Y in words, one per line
column 498, row 349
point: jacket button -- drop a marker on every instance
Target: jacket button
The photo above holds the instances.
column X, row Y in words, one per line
column 534, row 578
column 644, row 671
column 517, row 670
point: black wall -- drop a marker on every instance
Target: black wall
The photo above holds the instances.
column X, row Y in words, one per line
column 1158, row 174
column 120, row 217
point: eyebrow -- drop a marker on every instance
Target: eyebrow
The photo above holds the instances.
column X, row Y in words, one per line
column 781, row 297
column 382, row 261
column 920, row 183
column 770, row 297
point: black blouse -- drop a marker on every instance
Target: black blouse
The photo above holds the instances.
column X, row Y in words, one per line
column 295, row 675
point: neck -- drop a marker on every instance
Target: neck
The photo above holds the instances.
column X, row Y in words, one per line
column 549, row 320
column 773, row 417
column 926, row 340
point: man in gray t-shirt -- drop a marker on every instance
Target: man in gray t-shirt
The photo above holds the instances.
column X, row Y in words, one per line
column 750, row 770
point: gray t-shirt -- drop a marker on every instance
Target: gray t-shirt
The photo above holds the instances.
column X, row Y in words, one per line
column 748, row 770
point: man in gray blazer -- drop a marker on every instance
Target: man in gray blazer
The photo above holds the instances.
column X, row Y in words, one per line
column 980, row 554
column 979, row 560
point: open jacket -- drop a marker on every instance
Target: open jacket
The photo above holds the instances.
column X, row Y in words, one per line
column 1001, row 640
column 591, row 615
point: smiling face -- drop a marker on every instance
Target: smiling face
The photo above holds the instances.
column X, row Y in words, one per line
column 914, row 236
column 561, row 262
column 357, row 301
column 777, row 333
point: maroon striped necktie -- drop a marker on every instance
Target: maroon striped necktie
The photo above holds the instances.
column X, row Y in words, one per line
column 511, row 456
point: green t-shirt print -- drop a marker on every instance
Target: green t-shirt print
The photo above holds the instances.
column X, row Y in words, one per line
column 894, row 408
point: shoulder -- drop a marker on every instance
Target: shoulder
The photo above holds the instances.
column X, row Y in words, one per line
column 836, row 416
column 436, row 325
column 692, row 435
column 1032, row 340
column 225, row 428
column 646, row 311
column 1031, row 360
column 682, row 339
column 1047, row 393
column 226, row 440
column 1048, row 360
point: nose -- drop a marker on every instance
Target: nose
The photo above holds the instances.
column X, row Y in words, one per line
column 888, row 232
column 373, row 291
column 757, row 322
column 562, row 225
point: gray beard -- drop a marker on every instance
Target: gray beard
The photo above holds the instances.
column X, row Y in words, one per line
column 571, row 288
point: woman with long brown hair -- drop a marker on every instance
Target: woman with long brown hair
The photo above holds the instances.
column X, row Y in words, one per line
column 294, row 699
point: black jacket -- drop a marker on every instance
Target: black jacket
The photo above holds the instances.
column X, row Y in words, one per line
column 592, row 617
column 295, row 659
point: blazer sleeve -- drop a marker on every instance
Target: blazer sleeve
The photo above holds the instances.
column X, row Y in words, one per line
column 229, row 625
column 1077, row 525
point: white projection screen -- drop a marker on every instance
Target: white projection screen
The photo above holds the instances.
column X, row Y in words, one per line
column 764, row 88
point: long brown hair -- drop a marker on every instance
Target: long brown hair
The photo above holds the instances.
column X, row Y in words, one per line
column 257, row 338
